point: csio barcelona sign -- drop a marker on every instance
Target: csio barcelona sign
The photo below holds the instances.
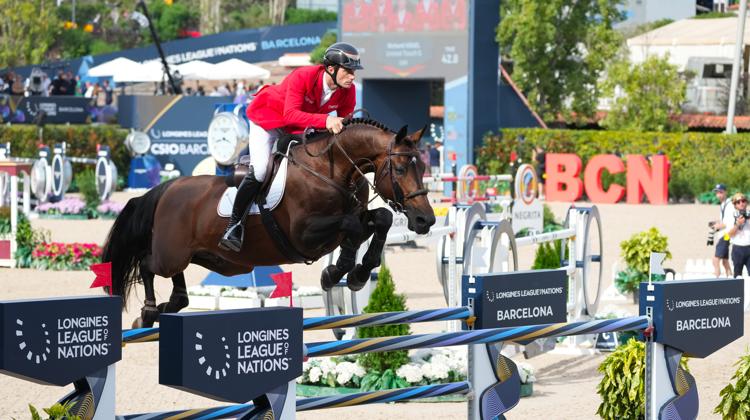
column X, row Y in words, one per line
column 58, row 341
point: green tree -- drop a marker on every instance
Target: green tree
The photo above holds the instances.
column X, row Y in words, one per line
column 559, row 48
column 28, row 28
column 170, row 19
column 646, row 95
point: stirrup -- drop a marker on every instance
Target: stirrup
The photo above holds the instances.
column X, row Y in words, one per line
column 230, row 241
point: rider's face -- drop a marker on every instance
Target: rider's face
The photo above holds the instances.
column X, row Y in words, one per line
column 345, row 77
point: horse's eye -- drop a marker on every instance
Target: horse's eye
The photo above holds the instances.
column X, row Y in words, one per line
column 400, row 170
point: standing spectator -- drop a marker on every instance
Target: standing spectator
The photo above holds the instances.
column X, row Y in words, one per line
column 59, row 85
column 88, row 90
column 721, row 228
column 356, row 17
column 453, row 15
column 17, row 88
column 382, row 14
column 402, row 18
column 108, row 92
column 426, row 16
column 435, row 158
column 740, row 235
column 540, row 157
column 75, row 87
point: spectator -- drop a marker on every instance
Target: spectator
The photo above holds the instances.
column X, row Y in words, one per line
column 356, row 16
column 540, row 157
column 426, row 16
column 108, row 92
column 59, row 85
column 453, row 15
column 740, row 235
column 88, row 90
column 17, row 88
column 721, row 228
column 435, row 158
column 402, row 18
column 382, row 14
column 199, row 91
column 75, row 87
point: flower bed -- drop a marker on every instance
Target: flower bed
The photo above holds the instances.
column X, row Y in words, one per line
column 69, row 208
column 343, row 375
column 62, row 256
column 109, row 209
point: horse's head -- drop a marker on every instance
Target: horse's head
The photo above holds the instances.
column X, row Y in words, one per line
column 399, row 180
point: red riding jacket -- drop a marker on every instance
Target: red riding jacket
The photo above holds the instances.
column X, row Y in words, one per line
column 294, row 104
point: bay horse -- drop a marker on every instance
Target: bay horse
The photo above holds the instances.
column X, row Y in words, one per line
column 324, row 205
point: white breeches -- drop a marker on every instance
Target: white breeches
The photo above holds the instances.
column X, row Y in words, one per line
column 260, row 144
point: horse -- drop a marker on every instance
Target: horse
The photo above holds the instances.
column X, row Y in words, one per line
column 324, row 206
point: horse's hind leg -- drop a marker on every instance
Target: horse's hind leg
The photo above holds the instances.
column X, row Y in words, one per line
column 179, row 297
column 378, row 221
column 149, row 312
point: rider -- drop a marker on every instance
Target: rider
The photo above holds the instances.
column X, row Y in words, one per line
column 305, row 98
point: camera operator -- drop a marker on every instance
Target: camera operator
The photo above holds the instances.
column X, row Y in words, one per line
column 720, row 228
column 740, row 235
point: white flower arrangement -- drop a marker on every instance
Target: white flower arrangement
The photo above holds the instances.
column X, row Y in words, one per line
column 526, row 372
column 426, row 366
column 204, row 290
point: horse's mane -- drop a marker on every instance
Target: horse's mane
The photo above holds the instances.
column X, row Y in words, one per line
column 368, row 122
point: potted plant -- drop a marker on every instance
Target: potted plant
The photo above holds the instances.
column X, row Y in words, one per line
column 636, row 252
column 735, row 398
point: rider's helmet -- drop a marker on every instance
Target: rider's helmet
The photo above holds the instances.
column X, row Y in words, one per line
column 342, row 54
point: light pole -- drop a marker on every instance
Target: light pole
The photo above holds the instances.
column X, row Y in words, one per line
column 739, row 46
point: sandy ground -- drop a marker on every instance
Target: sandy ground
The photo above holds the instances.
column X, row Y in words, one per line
column 566, row 384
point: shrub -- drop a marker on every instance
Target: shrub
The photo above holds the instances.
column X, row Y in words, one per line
column 693, row 156
column 296, row 16
column 622, row 388
column 735, row 399
column 316, row 56
column 637, row 250
column 87, row 187
column 382, row 366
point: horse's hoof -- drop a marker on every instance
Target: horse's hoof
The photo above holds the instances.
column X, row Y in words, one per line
column 357, row 278
column 162, row 307
column 329, row 277
column 138, row 323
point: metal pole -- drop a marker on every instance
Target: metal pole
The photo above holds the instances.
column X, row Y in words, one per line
column 738, row 47
column 176, row 89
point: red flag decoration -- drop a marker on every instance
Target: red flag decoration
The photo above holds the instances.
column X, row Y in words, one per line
column 103, row 273
column 283, row 286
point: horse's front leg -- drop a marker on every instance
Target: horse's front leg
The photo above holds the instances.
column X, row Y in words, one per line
column 353, row 237
column 379, row 221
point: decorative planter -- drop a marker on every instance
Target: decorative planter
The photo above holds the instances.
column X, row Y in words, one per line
column 306, row 302
column 64, row 216
column 324, row 391
column 527, row 389
column 210, row 303
column 230, row 302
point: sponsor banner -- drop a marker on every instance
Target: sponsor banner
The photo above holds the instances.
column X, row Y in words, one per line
column 58, row 341
column 517, row 298
column 53, row 109
column 252, row 45
column 231, row 356
column 697, row 317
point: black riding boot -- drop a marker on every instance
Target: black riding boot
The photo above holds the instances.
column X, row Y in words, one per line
column 232, row 239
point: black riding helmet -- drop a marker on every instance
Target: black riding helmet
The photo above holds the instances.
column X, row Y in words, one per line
column 341, row 54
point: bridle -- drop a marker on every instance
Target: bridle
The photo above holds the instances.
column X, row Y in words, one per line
column 386, row 170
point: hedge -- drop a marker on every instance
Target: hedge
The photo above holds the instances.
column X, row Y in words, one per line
column 698, row 160
column 81, row 141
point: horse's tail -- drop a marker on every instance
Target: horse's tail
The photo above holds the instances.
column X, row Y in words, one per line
column 129, row 240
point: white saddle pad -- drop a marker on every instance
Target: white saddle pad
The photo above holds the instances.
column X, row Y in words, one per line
column 272, row 199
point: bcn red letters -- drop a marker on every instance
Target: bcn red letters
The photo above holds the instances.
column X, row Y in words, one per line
column 563, row 182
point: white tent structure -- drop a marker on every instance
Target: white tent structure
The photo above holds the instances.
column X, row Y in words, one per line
column 238, row 69
column 195, row 70
column 151, row 71
column 119, row 65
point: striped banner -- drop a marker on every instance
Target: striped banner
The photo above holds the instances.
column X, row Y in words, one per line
column 143, row 335
column 305, row 404
column 493, row 335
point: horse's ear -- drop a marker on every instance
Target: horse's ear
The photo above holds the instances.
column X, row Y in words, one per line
column 402, row 134
column 416, row 137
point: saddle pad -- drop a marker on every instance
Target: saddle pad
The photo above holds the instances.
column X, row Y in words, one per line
column 273, row 198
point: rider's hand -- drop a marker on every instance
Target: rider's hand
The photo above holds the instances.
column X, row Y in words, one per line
column 334, row 124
